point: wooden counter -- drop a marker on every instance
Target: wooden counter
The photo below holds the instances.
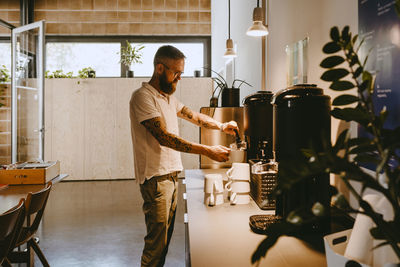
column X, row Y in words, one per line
column 221, row 236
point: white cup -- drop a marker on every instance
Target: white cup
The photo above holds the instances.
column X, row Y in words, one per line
column 213, row 189
column 238, row 186
column 239, row 198
column 239, row 171
column 213, row 199
column 237, row 156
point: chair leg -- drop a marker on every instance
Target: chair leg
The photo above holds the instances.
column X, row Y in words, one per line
column 39, row 253
column 6, row 263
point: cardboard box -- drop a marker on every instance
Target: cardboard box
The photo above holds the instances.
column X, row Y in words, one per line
column 31, row 173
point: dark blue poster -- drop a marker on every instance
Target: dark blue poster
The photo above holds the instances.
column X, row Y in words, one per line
column 379, row 25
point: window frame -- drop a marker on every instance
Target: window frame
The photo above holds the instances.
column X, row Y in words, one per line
column 205, row 40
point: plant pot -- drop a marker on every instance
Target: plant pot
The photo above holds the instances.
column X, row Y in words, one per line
column 230, row 97
column 214, row 102
column 129, row 73
column 91, row 74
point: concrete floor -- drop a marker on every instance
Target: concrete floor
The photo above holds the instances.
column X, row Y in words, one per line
column 101, row 223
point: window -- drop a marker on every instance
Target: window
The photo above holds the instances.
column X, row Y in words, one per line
column 73, row 53
column 73, row 56
column 5, row 55
column 194, row 53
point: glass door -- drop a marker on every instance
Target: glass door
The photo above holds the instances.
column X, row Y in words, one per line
column 27, row 92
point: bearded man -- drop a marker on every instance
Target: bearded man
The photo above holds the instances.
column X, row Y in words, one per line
column 154, row 113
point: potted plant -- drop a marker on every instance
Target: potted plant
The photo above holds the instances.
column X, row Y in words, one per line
column 130, row 55
column 4, row 78
column 230, row 94
column 345, row 157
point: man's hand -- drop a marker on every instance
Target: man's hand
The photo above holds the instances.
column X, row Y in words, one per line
column 229, row 127
column 218, row 153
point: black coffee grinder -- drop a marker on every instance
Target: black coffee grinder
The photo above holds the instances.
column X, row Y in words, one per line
column 258, row 124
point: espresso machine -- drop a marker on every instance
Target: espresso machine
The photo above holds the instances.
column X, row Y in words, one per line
column 258, row 125
column 301, row 120
column 258, row 129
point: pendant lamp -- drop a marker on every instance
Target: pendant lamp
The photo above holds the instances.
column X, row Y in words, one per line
column 230, row 52
column 258, row 28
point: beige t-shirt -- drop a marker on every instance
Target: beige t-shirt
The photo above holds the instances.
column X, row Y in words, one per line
column 150, row 158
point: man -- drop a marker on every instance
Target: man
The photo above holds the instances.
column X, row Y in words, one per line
column 157, row 146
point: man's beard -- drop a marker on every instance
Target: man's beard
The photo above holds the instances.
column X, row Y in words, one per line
column 165, row 86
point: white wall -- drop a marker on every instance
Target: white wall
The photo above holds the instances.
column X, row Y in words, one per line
column 248, row 62
column 293, row 20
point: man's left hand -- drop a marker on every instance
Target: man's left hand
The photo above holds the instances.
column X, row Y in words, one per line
column 229, row 127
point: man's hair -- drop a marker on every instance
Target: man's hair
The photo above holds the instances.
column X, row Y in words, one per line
column 167, row 52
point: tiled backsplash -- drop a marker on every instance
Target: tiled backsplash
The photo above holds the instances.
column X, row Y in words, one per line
column 116, row 17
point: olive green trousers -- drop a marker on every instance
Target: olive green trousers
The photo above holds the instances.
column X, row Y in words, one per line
column 159, row 194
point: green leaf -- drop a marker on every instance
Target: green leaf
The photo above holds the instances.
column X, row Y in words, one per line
column 376, row 233
column 366, row 158
column 334, row 74
column 340, row 141
column 345, row 34
column 364, row 85
column 350, row 114
column 341, row 85
column 363, row 149
column 345, row 100
column 354, row 40
column 331, row 48
column 331, row 62
column 397, row 7
column 358, row 141
column 335, row 35
column 358, row 71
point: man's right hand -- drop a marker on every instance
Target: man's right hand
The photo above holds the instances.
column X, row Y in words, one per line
column 218, row 153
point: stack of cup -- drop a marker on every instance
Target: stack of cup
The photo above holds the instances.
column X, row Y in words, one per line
column 213, row 190
column 238, row 185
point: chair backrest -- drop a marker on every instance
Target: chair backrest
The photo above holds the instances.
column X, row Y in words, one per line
column 10, row 225
column 36, row 203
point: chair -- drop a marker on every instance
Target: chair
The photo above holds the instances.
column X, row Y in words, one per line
column 35, row 204
column 10, row 226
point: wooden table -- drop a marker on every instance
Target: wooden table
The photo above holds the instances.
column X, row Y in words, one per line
column 10, row 196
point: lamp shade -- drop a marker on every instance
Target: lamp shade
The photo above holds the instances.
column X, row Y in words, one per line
column 230, row 52
column 258, row 28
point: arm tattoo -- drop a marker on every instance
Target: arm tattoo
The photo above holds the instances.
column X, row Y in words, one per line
column 186, row 112
column 199, row 119
column 157, row 128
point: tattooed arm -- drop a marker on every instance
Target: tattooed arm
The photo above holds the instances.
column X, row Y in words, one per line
column 205, row 121
column 156, row 127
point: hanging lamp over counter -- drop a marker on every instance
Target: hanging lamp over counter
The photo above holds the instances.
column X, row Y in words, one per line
column 258, row 28
column 230, row 51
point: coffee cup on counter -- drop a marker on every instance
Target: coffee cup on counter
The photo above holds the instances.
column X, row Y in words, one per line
column 238, row 185
column 239, row 171
column 239, row 198
column 213, row 190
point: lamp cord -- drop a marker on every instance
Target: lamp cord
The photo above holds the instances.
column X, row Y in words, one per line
column 229, row 19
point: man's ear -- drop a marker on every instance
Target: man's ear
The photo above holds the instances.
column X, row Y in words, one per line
column 159, row 68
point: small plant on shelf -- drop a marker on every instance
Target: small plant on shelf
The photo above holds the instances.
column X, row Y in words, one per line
column 222, row 84
column 130, row 55
column 4, row 78
column 58, row 74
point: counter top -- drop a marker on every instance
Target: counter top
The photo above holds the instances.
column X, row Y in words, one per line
column 221, row 235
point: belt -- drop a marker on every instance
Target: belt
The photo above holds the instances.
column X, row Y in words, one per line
column 167, row 176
